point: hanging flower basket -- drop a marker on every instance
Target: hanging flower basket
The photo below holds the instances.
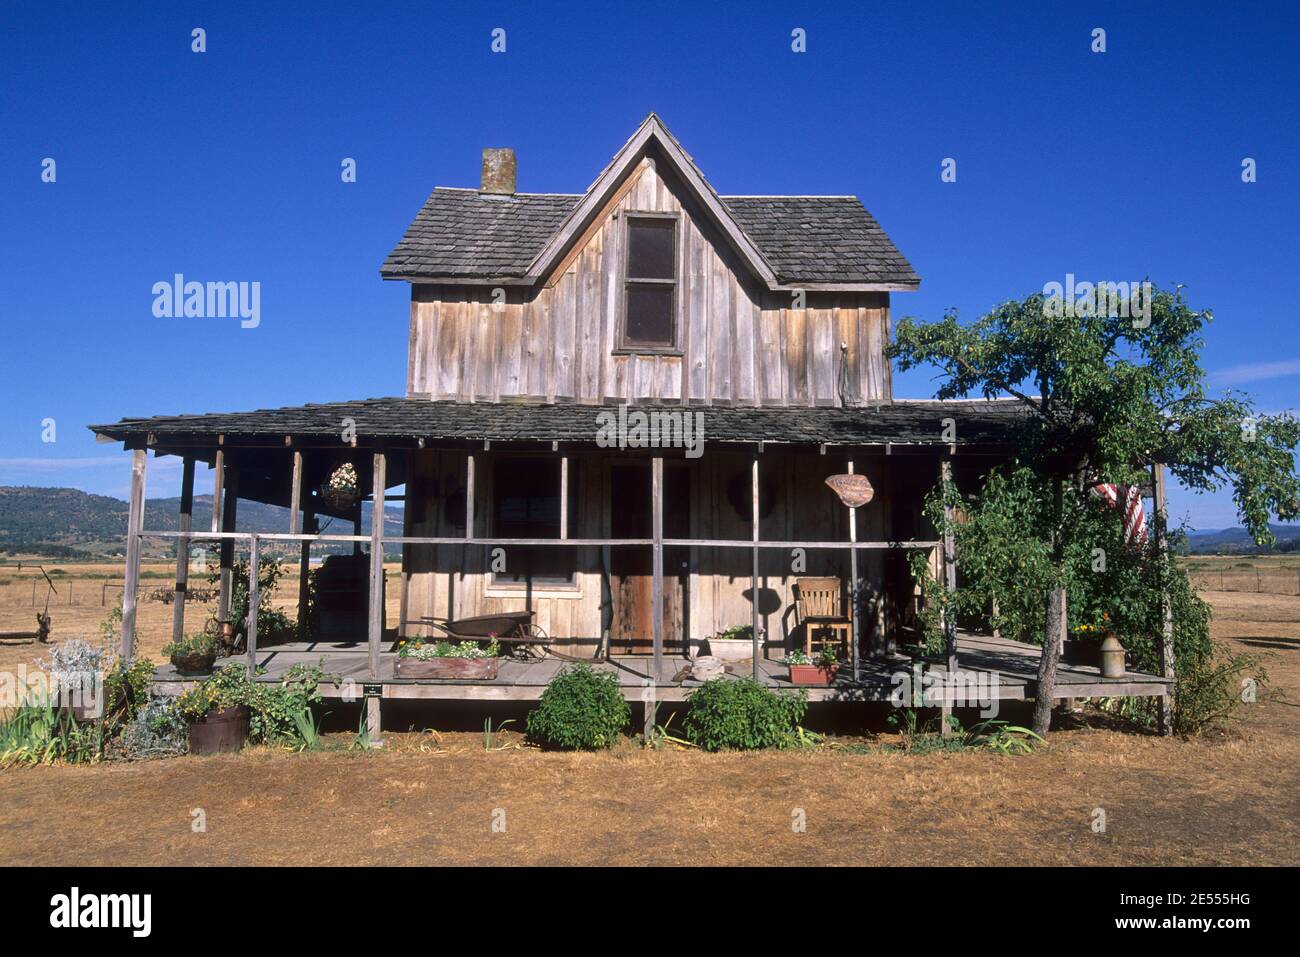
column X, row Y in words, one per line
column 341, row 490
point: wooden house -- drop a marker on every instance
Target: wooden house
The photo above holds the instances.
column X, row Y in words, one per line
column 620, row 412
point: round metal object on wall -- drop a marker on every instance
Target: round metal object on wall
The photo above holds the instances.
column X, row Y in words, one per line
column 854, row 490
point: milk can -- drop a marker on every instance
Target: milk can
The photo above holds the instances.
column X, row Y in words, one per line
column 1112, row 657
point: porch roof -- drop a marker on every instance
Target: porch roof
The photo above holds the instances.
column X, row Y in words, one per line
column 401, row 421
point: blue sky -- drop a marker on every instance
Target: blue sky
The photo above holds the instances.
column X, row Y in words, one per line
column 225, row 166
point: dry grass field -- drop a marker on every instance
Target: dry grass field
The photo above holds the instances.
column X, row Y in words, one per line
column 84, row 584
column 1275, row 574
column 1230, row 798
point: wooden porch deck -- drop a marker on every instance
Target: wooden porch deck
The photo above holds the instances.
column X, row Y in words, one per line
column 1001, row 668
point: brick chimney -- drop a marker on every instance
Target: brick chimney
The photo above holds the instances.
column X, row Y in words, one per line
column 498, row 172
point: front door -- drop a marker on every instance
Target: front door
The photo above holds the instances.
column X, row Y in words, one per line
column 631, row 569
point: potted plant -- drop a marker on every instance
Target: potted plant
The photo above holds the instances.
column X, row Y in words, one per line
column 193, row 654
column 342, row 488
column 734, row 644
column 217, row 711
column 225, row 636
column 820, row 670
column 1083, row 643
column 418, row 658
column 76, row 671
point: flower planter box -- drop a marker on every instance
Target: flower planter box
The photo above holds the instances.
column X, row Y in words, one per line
column 220, row 731
column 813, row 674
column 1078, row 652
column 481, row 668
column 731, row 649
column 194, row 664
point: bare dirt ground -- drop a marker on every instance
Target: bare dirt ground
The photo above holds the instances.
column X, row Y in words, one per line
column 1229, row 798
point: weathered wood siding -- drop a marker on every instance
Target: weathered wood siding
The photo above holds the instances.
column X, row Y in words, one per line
column 453, row 580
column 740, row 343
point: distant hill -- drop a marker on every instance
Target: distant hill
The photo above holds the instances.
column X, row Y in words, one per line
column 70, row 523
column 1229, row 540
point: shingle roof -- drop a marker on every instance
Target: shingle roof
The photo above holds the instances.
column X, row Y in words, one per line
column 403, row 420
column 462, row 233
column 820, row 239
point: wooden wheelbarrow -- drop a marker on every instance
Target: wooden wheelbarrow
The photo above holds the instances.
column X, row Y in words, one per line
column 513, row 630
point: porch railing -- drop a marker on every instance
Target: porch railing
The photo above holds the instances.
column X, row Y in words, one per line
column 226, row 482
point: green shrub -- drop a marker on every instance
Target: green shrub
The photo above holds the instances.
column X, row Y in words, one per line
column 200, row 643
column 275, row 709
column 1005, row 555
column 126, row 687
column 156, row 730
column 580, row 710
column 273, row 625
column 38, row 731
column 742, row 715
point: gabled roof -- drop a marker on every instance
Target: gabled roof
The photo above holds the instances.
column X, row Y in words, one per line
column 462, row 233
column 821, row 239
column 787, row 241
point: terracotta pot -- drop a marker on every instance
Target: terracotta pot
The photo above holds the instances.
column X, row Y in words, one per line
column 220, row 731
column 481, row 668
column 195, row 663
column 813, row 674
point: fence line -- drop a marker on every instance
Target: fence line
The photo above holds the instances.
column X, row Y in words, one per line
column 1279, row 581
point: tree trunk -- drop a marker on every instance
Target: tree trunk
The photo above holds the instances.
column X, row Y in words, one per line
column 1056, row 618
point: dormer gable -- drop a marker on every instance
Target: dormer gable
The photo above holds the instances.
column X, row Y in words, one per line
column 647, row 286
column 787, row 242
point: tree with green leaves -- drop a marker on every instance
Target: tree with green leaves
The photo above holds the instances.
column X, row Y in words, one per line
column 1109, row 389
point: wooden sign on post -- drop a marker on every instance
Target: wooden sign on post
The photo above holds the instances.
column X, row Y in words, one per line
column 853, row 489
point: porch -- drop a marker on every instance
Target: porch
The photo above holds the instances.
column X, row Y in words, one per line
column 650, row 547
column 1000, row 667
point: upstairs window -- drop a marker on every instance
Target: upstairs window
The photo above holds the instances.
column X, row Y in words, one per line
column 650, row 286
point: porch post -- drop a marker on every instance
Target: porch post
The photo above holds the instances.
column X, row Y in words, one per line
column 295, row 493
column 753, row 519
column 950, row 585
column 853, row 589
column 1165, row 716
column 218, row 487
column 254, row 598
column 299, row 520
column 186, row 523
column 228, row 516
column 376, row 589
column 657, row 503
column 134, row 525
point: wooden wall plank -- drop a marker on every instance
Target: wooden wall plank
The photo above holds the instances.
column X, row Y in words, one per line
column 739, row 343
